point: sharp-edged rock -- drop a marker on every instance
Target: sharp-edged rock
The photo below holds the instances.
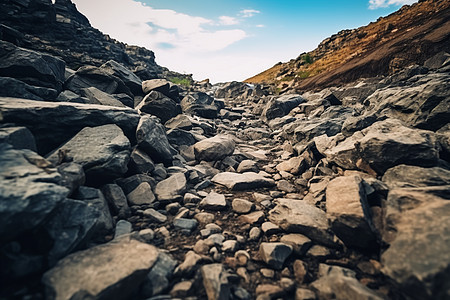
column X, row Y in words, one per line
column 171, row 188
column 245, row 181
column 213, row 149
column 274, row 254
column 215, row 282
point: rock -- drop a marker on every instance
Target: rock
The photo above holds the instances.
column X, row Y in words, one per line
column 29, row 191
column 245, row 181
column 299, row 242
column 181, row 137
column 200, row 104
column 232, row 89
column 95, row 199
column 214, row 201
column 141, row 195
column 103, row 151
column 242, row 206
column 122, row 228
column 181, row 289
column 91, row 76
column 299, row 270
column 96, row 96
column 268, row 273
column 242, row 257
column 190, row 263
column 304, row 294
column 54, row 123
column 269, row 228
column 32, row 67
column 180, row 122
column 185, row 224
column 274, row 254
column 229, row 246
column 295, row 165
column 158, row 279
column 171, row 188
column 155, row 215
column 255, row 217
column 341, row 283
column 71, row 226
column 413, row 176
column 417, row 222
column 349, row 211
column 72, row 176
column 160, row 106
column 281, row 106
column 215, row 282
column 319, row 252
column 213, row 149
column 162, row 86
column 140, row 162
column 295, row 216
column 109, row 271
column 286, row 186
column 152, row 138
column 18, row 138
column 389, row 143
column 116, row 199
column 247, row 166
column 116, row 69
column 204, row 217
column 254, row 234
column 11, row 87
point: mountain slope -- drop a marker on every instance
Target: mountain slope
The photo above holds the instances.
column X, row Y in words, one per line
column 408, row 36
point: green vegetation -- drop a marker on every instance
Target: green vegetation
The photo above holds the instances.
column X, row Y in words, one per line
column 186, row 82
column 306, row 58
column 287, row 78
column 303, row 74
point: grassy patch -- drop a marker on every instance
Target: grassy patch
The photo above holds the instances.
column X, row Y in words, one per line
column 303, row 74
column 181, row 81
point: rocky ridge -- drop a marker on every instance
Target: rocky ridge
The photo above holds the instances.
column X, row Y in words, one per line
column 232, row 193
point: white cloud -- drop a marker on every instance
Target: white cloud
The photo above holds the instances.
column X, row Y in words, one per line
column 226, row 20
column 260, row 25
column 248, row 13
column 374, row 4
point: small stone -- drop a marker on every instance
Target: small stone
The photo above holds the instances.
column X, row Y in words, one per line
column 143, row 194
column 286, row 186
column 271, row 291
column 214, row 201
column 242, row 272
column 299, row 242
column 268, row 273
column 269, row 228
column 201, row 247
column 229, row 246
column 187, row 224
column 304, row 294
column 122, row 228
column 155, row 215
column 242, row 257
column 216, row 239
column 318, row 251
column 254, row 234
column 276, row 194
column 287, row 284
column 299, row 271
column 204, row 217
column 242, row 294
column 147, row 235
column 191, row 198
column 247, row 166
column 181, row 289
column 274, row 254
column 215, row 282
column 261, row 197
column 253, row 218
column 173, row 208
column 242, row 206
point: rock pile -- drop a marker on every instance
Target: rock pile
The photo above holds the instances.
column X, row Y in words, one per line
column 115, row 186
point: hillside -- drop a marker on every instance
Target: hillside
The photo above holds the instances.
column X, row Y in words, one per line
column 409, row 36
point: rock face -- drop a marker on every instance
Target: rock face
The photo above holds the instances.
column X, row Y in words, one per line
column 213, row 149
column 29, row 191
column 103, row 151
column 109, row 271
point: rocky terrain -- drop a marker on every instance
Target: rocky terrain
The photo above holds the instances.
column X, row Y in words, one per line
column 114, row 185
column 407, row 37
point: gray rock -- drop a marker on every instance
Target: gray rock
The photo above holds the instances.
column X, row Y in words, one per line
column 242, row 206
column 158, row 279
column 274, row 254
column 269, row 228
column 186, row 224
column 133, row 82
column 109, row 271
column 213, row 149
column 54, row 123
column 181, row 137
column 72, row 176
column 254, row 233
column 141, row 195
column 295, row 216
column 247, row 166
column 349, row 211
column 245, row 181
column 72, row 225
column 295, row 165
column 341, row 283
column 116, row 199
column 180, row 122
column 162, row 86
column 96, row 96
column 32, row 67
column 29, row 191
column 200, row 104
column 299, row 242
column 413, row 176
column 171, row 188
column 103, row 151
column 18, row 137
column 214, row 201
column 152, row 138
column 157, row 104
column 11, row 87
column 215, row 282
column 123, row 227
column 140, row 162
column 155, row 215
column 190, row 263
column 281, row 106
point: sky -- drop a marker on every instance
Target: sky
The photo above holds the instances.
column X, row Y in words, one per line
column 226, row 40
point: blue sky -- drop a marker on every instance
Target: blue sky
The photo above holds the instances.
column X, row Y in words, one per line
column 228, row 40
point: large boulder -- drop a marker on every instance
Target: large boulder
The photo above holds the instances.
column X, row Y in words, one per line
column 296, row 216
column 133, row 82
column 17, row 137
column 414, row 176
column 103, row 151
column 11, row 87
column 200, row 104
column 244, row 181
column 54, row 123
column 162, row 86
column 109, row 271
column 159, row 105
column 29, row 191
column 213, row 149
column 232, row 90
column 280, row 106
column 31, row 67
column 152, row 138
column 98, row 97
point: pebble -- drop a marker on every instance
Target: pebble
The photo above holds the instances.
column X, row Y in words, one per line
column 253, row 218
column 254, row 234
column 242, row 206
column 155, row 215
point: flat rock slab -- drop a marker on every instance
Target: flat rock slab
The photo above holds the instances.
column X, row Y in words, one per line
column 245, row 181
column 215, row 148
column 296, row 216
column 171, row 188
column 109, row 271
